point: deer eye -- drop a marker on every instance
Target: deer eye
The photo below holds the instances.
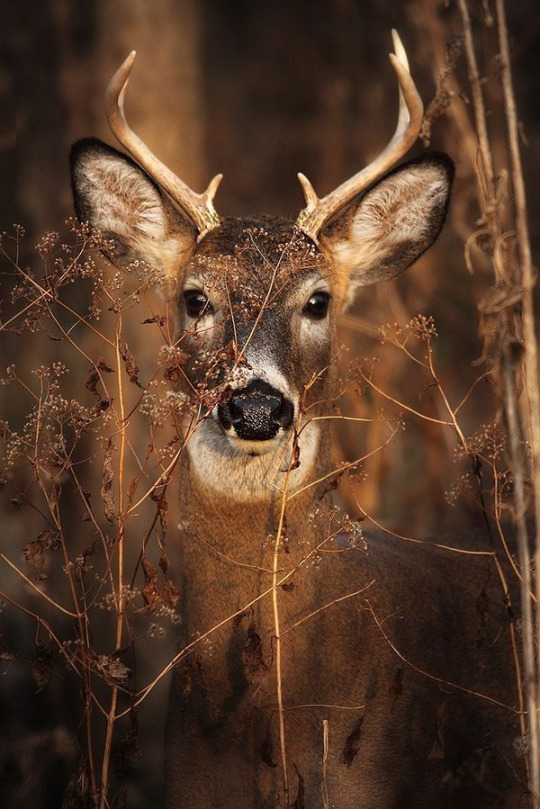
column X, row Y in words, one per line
column 196, row 302
column 317, row 306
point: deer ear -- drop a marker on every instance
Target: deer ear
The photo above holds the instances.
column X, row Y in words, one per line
column 116, row 197
column 378, row 236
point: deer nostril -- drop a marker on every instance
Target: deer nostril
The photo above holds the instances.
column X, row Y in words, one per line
column 284, row 413
column 257, row 413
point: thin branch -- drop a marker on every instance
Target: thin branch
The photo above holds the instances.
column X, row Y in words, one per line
column 531, row 370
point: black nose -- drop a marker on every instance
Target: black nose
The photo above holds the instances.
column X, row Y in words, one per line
column 256, row 412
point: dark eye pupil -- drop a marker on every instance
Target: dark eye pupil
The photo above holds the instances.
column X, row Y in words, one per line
column 317, row 306
column 196, row 302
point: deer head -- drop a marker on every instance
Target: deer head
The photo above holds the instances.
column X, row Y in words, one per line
column 265, row 289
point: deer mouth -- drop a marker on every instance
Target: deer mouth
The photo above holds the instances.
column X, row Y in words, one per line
column 255, row 415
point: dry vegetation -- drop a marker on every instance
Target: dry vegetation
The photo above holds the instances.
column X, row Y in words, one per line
column 91, row 438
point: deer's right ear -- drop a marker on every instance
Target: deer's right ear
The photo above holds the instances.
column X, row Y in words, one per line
column 116, row 197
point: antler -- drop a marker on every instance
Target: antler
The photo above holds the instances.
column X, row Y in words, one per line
column 411, row 110
column 199, row 207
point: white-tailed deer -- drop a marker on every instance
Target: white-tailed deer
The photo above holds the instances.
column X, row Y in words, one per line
column 334, row 673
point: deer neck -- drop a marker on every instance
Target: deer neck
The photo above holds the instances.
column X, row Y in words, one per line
column 229, row 539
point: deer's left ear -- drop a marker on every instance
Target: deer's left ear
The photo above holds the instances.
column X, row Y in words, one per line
column 378, row 236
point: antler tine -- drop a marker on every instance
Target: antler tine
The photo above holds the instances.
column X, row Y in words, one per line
column 318, row 212
column 199, row 207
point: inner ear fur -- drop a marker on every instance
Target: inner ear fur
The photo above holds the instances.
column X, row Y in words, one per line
column 382, row 233
column 116, row 197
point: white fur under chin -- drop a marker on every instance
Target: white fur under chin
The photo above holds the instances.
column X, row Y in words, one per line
column 235, row 474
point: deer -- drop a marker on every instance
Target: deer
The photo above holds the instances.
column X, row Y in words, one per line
column 341, row 666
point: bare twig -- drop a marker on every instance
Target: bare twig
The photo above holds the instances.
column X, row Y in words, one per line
column 532, row 669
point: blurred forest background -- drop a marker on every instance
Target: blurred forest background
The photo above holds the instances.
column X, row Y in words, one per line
column 258, row 91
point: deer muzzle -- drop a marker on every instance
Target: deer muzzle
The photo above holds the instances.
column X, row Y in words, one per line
column 257, row 412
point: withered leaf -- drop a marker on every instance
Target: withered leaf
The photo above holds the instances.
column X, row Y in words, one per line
column 352, row 743
column 295, row 463
column 34, row 552
column 35, row 558
column 332, row 484
column 107, row 483
column 101, row 406
column 150, row 590
column 112, row 668
column 173, row 372
column 131, row 366
column 160, row 319
column 117, row 670
column 80, row 566
column 91, row 382
column 171, row 593
column 93, row 377
column 159, row 496
column 42, row 667
column 158, row 593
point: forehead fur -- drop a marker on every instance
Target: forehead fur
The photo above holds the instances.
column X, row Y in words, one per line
column 259, row 251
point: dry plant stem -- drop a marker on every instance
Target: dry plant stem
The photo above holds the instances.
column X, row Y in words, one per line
column 327, row 605
column 405, row 406
column 464, row 551
column 46, row 294
column 326, row 802
column 502, row 538
column 36, row 589
column 46, row 626
column 89, row 697
column 343, row 468
column 99, row 532
column 84, row 675
column 81, row 619
column 492, row 214
column 111, row 718
column 529, row 335
column 452, row 413
column 277, row 636
column 329, row 705
column 514, row 442
column 515, row 654
column 480, row 116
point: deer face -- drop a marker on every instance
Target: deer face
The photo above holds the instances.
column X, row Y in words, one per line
column 257, row 299
column 257, row 295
